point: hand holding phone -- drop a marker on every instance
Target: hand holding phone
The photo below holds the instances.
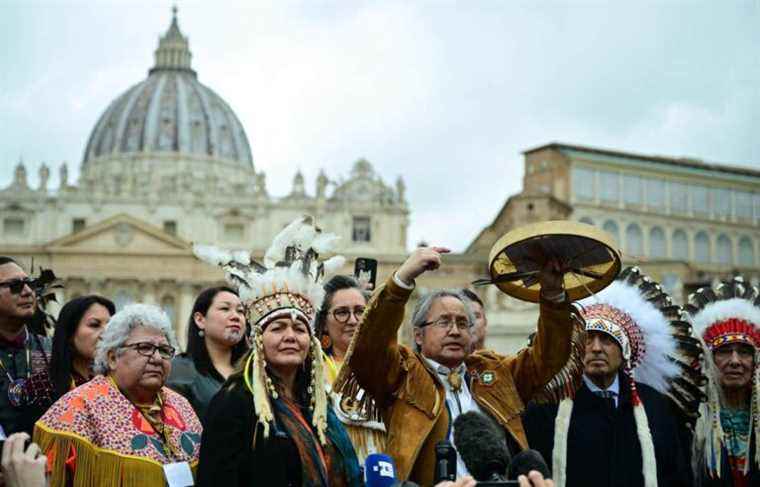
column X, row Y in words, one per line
column 365, row 271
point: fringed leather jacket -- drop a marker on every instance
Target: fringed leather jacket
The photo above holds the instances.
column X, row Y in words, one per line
column 410, row 398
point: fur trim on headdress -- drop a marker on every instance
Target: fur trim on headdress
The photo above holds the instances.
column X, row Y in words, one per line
column 728, row 314
column 290, row 281
column 658, row 350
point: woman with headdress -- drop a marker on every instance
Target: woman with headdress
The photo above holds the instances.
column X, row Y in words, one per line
column 215, row 342
column 727, row 440
column 271, row 423
column 80, row 323
column 334, row 325
column 613, row 416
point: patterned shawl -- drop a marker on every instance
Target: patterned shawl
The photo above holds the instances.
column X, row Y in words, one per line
column 96, row 436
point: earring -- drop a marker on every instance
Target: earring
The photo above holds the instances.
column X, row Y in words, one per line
column 201, row 333
column 325, row 341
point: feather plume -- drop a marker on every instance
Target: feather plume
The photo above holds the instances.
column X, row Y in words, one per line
column 211, row 254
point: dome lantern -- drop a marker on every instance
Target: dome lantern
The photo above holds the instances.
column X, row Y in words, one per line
column 173, row 50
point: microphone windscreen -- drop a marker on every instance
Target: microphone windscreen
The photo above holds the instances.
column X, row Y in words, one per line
column 481, row 445
column 525, row 461
column 379, row 470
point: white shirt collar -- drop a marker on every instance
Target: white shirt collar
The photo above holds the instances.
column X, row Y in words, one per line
column 442, row 369
column 613, row 388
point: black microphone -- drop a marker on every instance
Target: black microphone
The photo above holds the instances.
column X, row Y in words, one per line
column 445, row 462
column 482, row 446
column 525, row 461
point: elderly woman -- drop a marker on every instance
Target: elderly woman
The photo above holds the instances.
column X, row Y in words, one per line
column 271, row 423
column 123, row 426
column 334, row 325
column 215, row 343
column 77, row 332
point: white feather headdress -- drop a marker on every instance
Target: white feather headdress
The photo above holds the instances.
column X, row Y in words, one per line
column 289, row 283
column 658, row 349
column 728, row 314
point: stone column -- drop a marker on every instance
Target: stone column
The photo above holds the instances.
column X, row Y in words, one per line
column 184, row 307
column 147, row 292
column 98, row 286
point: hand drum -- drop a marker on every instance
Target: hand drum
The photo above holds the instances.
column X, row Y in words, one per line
column 587, row 256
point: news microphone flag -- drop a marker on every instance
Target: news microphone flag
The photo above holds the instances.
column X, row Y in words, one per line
column 379, row 470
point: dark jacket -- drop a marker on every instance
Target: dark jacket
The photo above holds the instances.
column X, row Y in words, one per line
column 603, row 447
column 197, row 388
column 227, row 456
column 37, row 389
column 725, row 480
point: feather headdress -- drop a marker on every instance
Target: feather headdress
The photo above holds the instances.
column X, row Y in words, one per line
column 722, row 316
column 288, row 283
column 658, row 350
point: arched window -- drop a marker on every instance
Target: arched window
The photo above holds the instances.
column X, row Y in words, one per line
column 702, row 247
column 746, row 252
column 657, row 247
column 725, row 250
column 634, row 241
column 586, row 220
column 612, row 228
column 680, row 250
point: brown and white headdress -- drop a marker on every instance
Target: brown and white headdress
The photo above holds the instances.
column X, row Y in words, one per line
column 288, row 283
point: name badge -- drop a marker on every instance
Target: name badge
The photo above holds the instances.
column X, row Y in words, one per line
column 178, row 474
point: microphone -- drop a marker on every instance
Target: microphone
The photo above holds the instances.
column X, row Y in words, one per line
column 525, row 461
column 445, row 462
column 379, row 470
column 482, row 446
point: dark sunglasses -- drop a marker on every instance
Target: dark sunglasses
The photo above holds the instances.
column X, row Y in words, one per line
column 15, row 286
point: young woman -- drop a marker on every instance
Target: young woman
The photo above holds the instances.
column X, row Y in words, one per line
column 77, row 332
column 214, row 344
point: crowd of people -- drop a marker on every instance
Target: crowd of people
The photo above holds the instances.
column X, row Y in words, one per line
column 293, row 375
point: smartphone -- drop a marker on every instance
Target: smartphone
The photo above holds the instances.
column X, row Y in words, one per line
column 365, row 270
column 503, row 483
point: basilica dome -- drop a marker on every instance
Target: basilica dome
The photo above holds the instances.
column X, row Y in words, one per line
column 169, row 112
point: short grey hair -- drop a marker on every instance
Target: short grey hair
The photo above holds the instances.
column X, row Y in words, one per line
column 121, row 325
column 421, row 310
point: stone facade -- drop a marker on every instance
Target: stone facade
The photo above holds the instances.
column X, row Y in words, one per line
column 169, row 164
column 685, row 222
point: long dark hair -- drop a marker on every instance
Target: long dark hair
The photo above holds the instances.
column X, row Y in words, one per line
column 63, row 353
column 196, row 346
column 332, row 286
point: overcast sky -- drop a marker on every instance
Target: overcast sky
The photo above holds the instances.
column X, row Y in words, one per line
column 447, row 94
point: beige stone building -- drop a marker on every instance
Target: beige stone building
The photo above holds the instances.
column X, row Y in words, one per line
column 169, row 164
column 685, row 222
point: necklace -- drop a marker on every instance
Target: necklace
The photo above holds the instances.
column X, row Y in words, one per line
column 17, row 387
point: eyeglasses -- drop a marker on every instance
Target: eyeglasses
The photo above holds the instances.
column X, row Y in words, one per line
column 15, row 286
column 343, row 314
column 444, row 323
column 147, row 349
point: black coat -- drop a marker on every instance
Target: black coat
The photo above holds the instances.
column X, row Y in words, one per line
column 227, row 456
column 603, row 448
column 726, row 480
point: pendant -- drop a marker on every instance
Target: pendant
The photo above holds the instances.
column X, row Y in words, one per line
column 17, row 392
